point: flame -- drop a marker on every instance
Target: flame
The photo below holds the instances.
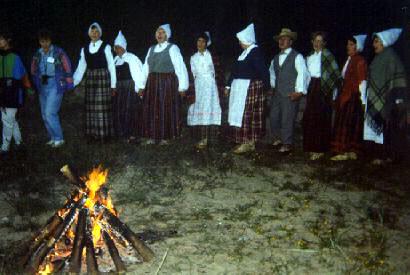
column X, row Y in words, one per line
column 95, row 180
column 96, row 233
column 47, row 270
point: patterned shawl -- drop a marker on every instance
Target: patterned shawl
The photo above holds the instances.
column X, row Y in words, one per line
column 386, row 77
column 330, row 73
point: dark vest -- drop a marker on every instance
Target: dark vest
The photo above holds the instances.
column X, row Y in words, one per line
column 96, row 60
column 286, row 74
column 160, row 62
column 123, row 71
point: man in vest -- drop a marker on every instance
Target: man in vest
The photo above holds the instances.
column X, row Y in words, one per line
column 289, row 79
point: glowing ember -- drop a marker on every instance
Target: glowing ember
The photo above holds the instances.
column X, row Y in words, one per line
column 47, row 270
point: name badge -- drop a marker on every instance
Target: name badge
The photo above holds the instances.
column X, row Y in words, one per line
column 50, row 59
column 9, row 83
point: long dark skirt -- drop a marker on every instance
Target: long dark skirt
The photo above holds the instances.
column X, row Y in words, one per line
column 161, row 107
column 253, row 125
column 98, row 104
column 348, row 128
column 317, row 119
column 209, row 132
column 127, row 108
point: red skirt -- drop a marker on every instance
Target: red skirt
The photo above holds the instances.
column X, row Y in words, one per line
column 317, row 119
column 253, row 125
column 161, row 102
column 348, row 128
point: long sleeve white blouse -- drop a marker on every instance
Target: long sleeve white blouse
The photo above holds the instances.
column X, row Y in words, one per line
column 82, row 64
column 177, row 61
column 135, row 65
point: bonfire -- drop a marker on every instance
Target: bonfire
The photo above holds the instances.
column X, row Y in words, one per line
column 85, row 235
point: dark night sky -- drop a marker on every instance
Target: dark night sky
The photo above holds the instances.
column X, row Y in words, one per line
column 69, row 21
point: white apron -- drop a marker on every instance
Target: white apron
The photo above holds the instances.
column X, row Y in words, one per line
column 237, row 100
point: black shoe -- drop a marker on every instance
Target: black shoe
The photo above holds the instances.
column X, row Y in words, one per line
column 4, row 154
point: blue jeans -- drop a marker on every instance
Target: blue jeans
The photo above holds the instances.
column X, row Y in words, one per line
column 50, row 102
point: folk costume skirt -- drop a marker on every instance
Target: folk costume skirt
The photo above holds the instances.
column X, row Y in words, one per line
column 347, row 135
column 98, row 104
column 253, row 125
column 127, row 109
column 161, row 107
column 317, row 119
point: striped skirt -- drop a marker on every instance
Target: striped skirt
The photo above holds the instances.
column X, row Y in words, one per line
column 253, row 125
column 348, row 128
column 317, row 120
column 98, row 104
column 161, row 107
column 127, row 110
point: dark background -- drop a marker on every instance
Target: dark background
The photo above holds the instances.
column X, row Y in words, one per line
column 69, row 21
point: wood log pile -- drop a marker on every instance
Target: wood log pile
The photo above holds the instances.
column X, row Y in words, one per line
column 83, row 232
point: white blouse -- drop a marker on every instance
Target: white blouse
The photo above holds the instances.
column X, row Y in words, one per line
column 202, row 64
column 135, row 65
column 303, row 78
column 177, row 61
column 82, row 64
column 314, row 63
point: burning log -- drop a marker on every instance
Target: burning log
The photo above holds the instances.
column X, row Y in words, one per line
column 90, row 210
column 115, row 223
column 79, row 242
column 51, row 240
column 72, row 177
column 91, row 260
column 52, row 224
column 119, row 265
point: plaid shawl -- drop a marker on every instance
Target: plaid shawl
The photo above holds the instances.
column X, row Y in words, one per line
column 386, row 78
column 331, row 77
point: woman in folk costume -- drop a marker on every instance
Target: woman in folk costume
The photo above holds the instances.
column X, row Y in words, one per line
column 317, row 118
column 52, row 76
column 385, row 115
column 96, row 67
column 347, row 139
column 130, row 80
column 13, row 78
column 205, row 114
column 247, row 83
column 166, row 78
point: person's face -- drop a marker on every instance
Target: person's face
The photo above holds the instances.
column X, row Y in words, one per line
column 94, row 34
column 318, row 43
column 284, row 42
column 119, row 50
column 351, row 48
column 378, row 45
column 160, row 35
column 4, row 44
column 201, row 44
column 45, row 44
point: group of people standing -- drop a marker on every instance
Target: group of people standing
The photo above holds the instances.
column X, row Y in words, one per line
column 133, row 100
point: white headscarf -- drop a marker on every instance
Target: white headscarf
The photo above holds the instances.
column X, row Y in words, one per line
column 167, row 29
column 209, row 39
column 360, row 39
column 95, row 24
column 120, row 41
column 389, row 37
column 247, row 36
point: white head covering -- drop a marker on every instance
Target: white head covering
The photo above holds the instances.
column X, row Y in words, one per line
column 167, row 29
column 360, row 39
column 247, row 36
column 120, row 41
column 389, row 37
column 209, row 39
column 95, row 24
